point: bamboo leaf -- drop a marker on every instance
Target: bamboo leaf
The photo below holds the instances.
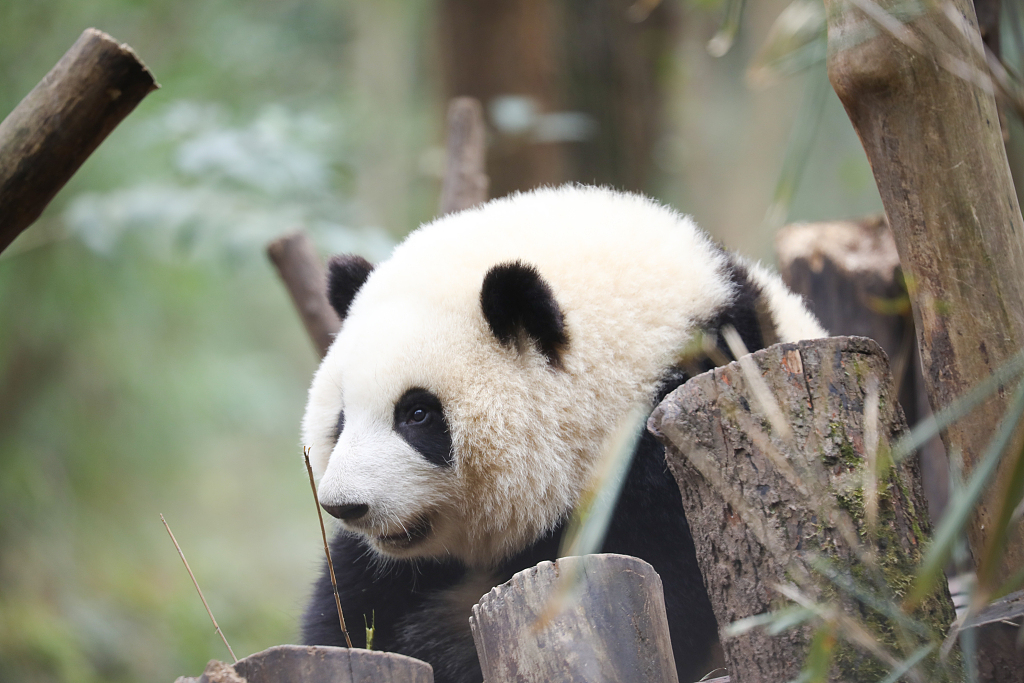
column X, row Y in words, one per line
column 909, row 663
column 720, row 44
column 960, row 509
column 996, row 546
column 928, row 428
column 795, row 42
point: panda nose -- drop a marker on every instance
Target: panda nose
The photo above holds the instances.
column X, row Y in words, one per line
column 349, row 512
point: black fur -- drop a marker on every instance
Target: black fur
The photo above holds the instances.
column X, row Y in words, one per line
column 340, row 425
column 747, row 313
column 420, row 420
column 345, row 275
column 515, row 299
column 413, row 604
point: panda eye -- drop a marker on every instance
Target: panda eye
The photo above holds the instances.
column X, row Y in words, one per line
column 419, row 419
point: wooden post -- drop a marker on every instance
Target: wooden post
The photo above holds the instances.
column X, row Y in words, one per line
column 57, row 126
column 317, row 664
column 767, row 490
column 303, row 274
column 465, row 176
column 614, row 627
column 914, row 90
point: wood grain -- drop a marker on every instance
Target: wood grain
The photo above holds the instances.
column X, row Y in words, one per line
column 931, row 132
column 764, row 506
column 613, row 627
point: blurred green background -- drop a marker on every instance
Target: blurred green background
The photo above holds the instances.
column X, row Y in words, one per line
column 151, row 362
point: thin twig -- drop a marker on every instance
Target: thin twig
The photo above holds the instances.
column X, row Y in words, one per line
column 327, row 551
column 199, row 590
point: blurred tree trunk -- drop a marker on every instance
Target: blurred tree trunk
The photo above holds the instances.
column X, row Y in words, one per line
column 615, row 53
column 499, row 48
column 570, row 88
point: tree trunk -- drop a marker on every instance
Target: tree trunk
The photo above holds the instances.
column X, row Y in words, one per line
column 465, row 177
column 849, row 274
column 62, row 121
column 936, row 150
column 499, row 48
column 769, row 504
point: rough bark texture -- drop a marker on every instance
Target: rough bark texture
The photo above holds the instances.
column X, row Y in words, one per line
column 936, row 150
column 57, row 126
column 465, row 177
column 613, row 628
column 321, row 664
column 849, row 274
column 303, row 274
column 762, row 506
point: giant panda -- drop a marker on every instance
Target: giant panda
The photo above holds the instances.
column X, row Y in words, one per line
column 477, row 374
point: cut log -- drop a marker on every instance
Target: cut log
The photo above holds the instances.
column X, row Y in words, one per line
column 317, row 664
column 914, row 90
column 57, row 126
column 303, row 274
column 614, row 628
column 771, row 492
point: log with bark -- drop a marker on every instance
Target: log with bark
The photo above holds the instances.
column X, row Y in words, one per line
column 782, row 462
column 917, row 92
column 614, row 628
column 62, row 121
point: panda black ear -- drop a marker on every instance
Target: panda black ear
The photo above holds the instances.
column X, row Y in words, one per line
column 345, row 275
column 515, row 299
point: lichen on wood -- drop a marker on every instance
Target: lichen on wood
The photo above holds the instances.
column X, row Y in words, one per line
column 767, row 510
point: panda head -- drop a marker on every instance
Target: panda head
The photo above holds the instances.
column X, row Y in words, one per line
column 481, row 370
column 436, row 419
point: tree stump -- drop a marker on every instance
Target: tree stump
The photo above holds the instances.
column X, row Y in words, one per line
column 774, row 487
column 614, row 628
column 317, row 664
column 849, row 274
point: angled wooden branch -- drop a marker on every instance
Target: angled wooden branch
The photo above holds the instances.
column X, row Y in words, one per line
column 57, row 126
column 303, row 274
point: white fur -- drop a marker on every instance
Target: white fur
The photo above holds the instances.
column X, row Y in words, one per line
column 632, row 279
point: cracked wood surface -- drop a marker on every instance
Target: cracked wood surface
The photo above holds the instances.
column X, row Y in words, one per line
column 766, row 502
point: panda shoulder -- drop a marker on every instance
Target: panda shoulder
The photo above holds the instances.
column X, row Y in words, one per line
column 793, row 321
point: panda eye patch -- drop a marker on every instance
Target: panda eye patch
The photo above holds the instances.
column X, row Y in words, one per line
column 420, row 421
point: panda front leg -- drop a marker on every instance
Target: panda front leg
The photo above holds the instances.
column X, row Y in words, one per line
column 418, row 608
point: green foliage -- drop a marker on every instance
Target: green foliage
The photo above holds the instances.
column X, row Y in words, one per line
column 150, row 360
